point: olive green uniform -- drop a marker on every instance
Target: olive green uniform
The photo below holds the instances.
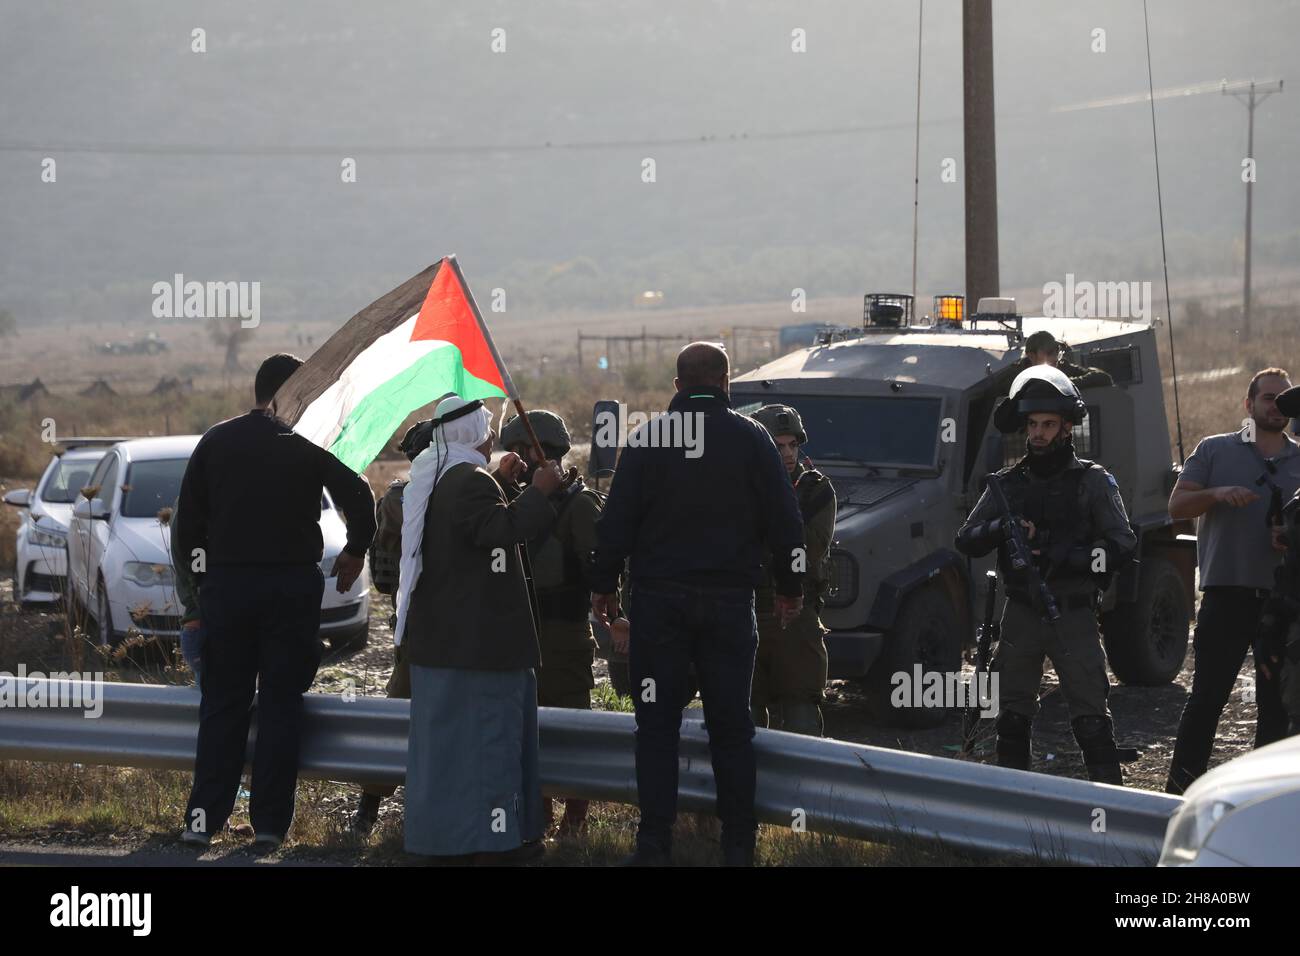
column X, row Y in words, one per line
column 1279, row 641
column 385, row 557
column 790, row 668
column 1082, row 376
column 1074, row 512
column 564, row 632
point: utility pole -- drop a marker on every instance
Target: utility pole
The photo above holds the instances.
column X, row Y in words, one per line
column 981, row 186
column 1255, row 94
column 1251, row 93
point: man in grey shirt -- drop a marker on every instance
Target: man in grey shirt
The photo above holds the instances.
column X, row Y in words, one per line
column 1227, row 485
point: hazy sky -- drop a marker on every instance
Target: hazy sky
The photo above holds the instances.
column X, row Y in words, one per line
column 226, row 164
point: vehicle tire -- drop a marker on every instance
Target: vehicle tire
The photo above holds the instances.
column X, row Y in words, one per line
column 105, row 636
column 1146, row 641
column 926, row 632
column 353, row 640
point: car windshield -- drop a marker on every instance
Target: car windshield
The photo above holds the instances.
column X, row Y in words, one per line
column 883, row 430
column 151, row 486
column 66, row 479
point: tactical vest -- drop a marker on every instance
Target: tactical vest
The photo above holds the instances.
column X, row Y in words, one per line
column 558, row 578
column 1057, row 509
column 386, row 546
column 814, row 493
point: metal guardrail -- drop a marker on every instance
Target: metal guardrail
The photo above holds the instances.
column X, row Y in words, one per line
column 826, row 786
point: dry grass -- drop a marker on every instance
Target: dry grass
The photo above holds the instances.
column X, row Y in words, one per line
column 75, row 804
column 1211, row 338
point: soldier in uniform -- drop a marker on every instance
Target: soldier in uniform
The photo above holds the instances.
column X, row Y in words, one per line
column 1279, row 641
column 558, row 562
column 1079, row 533
column 1042, row 348
column 790, row 670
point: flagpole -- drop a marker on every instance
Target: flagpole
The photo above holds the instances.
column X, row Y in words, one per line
column 511, row 393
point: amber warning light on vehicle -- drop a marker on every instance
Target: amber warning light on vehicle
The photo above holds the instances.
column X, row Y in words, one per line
column 949, row 309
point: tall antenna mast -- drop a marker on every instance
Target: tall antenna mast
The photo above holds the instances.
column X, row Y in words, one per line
column 1164, row 256
column 916, row 170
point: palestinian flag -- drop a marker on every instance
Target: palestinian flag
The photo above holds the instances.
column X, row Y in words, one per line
column 422, row 341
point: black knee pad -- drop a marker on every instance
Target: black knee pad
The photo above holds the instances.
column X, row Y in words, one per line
column 1096, row 737
column 1092, row 727
column 1013, row 726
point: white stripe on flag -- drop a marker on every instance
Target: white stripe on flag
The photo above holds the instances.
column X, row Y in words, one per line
column 385, row 357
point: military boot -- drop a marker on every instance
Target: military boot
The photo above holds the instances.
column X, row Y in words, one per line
column 1013, row 740
column 574, row 821
column 1096, row 737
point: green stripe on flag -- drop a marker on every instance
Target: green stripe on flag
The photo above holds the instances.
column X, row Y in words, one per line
column 379, row 413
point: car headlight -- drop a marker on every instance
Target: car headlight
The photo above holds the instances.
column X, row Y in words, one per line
column 48, row 537
column 149, row 575
column 843, row 589
column 1193, row 824
column 1190, row 829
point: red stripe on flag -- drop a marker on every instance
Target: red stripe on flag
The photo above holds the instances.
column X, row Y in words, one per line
column 446, row 316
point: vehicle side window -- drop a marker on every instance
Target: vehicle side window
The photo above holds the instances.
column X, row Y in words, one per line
column 98, row 474
column 104, row 477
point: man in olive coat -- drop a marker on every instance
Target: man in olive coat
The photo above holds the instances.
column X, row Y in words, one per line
column 466, row 627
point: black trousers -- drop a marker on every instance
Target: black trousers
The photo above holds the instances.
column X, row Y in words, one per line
column 1226, row 627
column 261, row 627
column 674, row 626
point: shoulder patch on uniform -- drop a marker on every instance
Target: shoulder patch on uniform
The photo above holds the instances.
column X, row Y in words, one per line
column 1110, row 480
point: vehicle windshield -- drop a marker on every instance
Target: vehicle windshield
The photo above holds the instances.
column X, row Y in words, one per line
column 66, row 479
column 151, row 486
column 882, row 430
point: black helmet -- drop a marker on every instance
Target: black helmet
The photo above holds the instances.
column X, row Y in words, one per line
column 1040, row 388
column 416, row 439
column 548, row 426
column 781, row 420
column 1288, row 402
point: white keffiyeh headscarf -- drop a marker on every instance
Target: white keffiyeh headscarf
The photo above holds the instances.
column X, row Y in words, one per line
column 453, row 443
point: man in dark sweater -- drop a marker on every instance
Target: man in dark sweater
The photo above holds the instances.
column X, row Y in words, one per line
column 699, row 497
column 248, row 521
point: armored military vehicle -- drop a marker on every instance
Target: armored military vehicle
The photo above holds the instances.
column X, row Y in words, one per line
column 899, row 416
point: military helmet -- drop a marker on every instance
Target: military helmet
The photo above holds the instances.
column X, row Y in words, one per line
column 416, row 439
column 1040, row 388
column 1288, row 402
column 781, row 420
column 548, row 426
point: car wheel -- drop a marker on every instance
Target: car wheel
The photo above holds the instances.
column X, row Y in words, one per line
column 353, row 640
column 926, row 632
column 1146, row 640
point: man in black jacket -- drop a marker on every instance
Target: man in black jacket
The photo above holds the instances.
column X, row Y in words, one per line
column 699, row 496
column 249, row 523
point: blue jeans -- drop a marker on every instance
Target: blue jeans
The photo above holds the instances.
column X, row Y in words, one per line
column 192, row 651
column 676, row 625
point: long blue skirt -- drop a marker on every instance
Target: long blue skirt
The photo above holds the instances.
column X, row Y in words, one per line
column 472, row 778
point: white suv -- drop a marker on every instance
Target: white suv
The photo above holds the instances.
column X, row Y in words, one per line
column 119, row 552
column 42, row 566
